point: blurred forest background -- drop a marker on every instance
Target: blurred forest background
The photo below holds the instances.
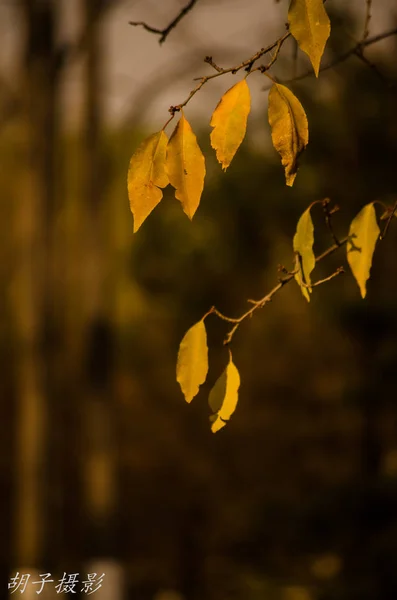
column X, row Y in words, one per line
column 103, row 466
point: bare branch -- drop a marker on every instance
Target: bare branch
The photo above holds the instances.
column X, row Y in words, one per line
column 289, row 276
column 163, row 33
column 359, row 53
column 266, row 299
column 246, row 64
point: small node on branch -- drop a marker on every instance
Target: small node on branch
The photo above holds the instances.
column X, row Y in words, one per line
column 284, row 270
column 208, row 59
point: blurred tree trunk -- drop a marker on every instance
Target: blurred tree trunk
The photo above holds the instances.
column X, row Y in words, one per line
column 98, row 414
column 192, row 552
column 369, row 328
column 32, row 290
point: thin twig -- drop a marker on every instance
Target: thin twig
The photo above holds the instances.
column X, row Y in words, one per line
column 328, row 212
column 163, row 33
column 208, row 59
column 265, row 68
column 393, row 212
column 289, row 276
column 360, row 54
column 169, row 120
column 266, row 299
column 246, row 64
column 332, row 249
column 353, row 51
column 338, row 271
column 367, row 19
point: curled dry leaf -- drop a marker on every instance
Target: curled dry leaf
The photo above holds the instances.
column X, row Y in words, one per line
column 303, row 246
column 223, row 397
column 290, row 132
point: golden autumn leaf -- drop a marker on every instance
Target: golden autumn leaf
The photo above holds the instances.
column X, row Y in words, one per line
column 303, row 246
column 363, row 234
column 290, row 133
column 229, row 121
column 192, row 363
column 185, row 166
column 223, row 397
column 310, row 26
column 146, row 174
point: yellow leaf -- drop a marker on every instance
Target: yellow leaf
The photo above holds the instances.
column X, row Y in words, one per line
column 310, row 26
column 146, row 174
column 363, row 234
column 290, row 133
column 186, row 166
column 192, row 363
column 229, row 121
column 303, row 245
column 224, row 396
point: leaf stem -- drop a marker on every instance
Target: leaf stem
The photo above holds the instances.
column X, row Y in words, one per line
column 392, row 213
column 169, row 121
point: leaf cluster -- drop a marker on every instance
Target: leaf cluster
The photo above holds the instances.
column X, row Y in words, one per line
column 180, row 162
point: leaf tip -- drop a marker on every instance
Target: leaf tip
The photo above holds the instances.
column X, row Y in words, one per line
column 216, row 423
column 136, row 225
